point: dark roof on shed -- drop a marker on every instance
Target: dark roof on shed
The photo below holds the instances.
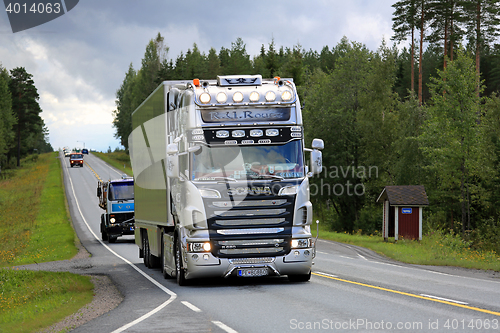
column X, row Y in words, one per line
column 411, row 195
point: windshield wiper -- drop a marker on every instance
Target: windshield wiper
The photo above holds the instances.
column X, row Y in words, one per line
column 215, row 178
column 274, row 177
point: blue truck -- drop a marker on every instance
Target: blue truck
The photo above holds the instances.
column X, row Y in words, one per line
column 116, row 197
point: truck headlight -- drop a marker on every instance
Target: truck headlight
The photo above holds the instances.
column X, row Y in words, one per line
column 289, row 190
column 199, row 247
column 208, row 193
column 301, row 243
column 112, row 220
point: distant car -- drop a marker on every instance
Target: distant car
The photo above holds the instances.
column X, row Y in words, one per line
column 67, row 153
column 85, row 151
column 76, row 159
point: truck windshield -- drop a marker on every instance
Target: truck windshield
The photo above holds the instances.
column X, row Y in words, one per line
column 248, row 162
column 121, row 191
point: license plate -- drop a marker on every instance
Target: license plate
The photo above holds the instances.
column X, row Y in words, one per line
column 251, row 272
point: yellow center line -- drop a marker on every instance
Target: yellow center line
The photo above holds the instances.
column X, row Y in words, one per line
column 97, row 176
column 409, row 294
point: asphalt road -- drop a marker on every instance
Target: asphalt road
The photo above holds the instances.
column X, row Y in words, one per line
column 351, row 290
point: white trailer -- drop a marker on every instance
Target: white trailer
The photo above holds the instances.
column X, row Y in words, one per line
column 221, row 182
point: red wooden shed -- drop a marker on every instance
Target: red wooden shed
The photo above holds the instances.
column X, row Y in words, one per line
column 403, row 211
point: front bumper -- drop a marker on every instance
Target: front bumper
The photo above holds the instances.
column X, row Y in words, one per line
column 121, row 229
column 298, row 261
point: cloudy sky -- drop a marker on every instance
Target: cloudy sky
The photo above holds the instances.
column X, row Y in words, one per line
column 79, row 60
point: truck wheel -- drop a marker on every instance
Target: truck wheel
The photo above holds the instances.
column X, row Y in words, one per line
column 179, row 271
column 299, row 277
column 104, row 234
column 112, row 239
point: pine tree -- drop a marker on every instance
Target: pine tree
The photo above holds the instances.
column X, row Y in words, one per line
column 482, row 20
column 25, row 105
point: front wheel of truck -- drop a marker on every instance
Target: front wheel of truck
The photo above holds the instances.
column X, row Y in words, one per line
column 299, row 277
column 104, row 234
column 179, row 270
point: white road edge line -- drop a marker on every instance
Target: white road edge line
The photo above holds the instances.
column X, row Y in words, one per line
column 445, row 299
column 173, row 295
column 191, row 306
column 224, row 327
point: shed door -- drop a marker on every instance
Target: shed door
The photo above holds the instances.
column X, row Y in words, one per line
column 408, row 222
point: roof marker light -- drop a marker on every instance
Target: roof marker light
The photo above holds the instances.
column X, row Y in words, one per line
column 205, row 98
column 270, row 96
column 254, row 96
column 237, row 97
column 221, row 98
column 286, row 96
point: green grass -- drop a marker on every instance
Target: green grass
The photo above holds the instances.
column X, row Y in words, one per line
column 34, row 228
column 32, row 300
column 119, row 160
column 436, row 248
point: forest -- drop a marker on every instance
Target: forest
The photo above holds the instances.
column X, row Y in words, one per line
column 425, row 111
column 22, row 129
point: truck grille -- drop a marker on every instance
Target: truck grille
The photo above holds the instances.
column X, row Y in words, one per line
column 256, row 227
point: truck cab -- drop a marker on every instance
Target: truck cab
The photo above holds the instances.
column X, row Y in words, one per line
column 116, row 198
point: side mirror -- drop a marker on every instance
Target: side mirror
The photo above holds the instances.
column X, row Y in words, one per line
column 316, row 161
column 99, row 192
column 172, row 161
column 318, row 144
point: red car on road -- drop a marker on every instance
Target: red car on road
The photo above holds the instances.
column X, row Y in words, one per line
column 76, row 159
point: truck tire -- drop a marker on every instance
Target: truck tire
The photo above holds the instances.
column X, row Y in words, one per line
column 112, row 239
column 299, row 277
column 104, row 234
column 179, row 270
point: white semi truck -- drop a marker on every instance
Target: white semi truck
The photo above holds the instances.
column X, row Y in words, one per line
column 220, row 179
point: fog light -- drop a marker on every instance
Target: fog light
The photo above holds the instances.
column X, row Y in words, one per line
column 195, row 257
column 297, row 253
column 206, row 257
column 112, row 220
column 256, row 133
column 222, row 134
column 307, row 253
